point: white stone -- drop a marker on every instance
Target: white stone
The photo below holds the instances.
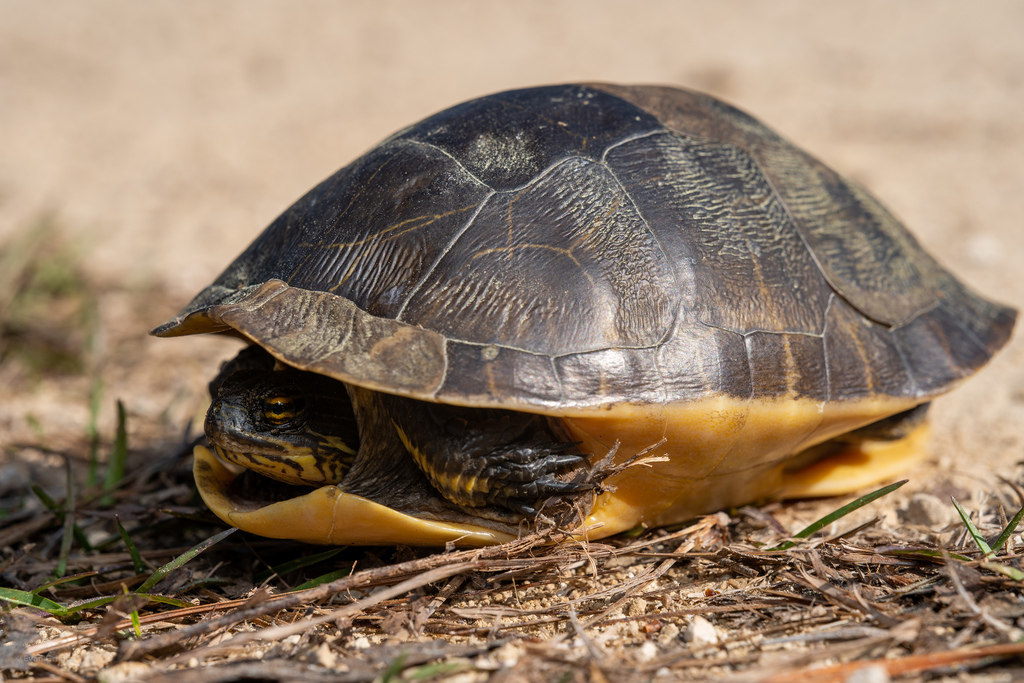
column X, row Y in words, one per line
column 647, row 651
column 325, row 656
column 701, row 632
column 875, row 673
column 125, row 672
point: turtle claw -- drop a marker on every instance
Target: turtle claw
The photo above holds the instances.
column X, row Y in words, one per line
column 557, row 487
column 519, row 470
column 560, row 461
column 521, row 508
column 517, row 478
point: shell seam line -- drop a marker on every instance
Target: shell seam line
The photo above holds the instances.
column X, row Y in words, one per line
column 970, row 333
column 750, row 365
column 824, row 347
column 905, row 363
column 955, row 320
column 430, row 145
column 341, row 214
column 818, row 335
column 899, row 326
column 455, row 238
column 444, row 372
column 672, row 328
column 633, row 138
column 517, row 188
column 803, row 239
column 538, row 354
column 444, row 252
column 558, row 378
column 647, row 225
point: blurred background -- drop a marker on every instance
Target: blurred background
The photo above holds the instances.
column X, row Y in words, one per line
column 143, row 145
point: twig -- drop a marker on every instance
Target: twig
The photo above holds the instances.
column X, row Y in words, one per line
column 834, row 594
column 467, row 560
column 954, row 577
column 442, row 596
column 897, row 667
column 303, row 625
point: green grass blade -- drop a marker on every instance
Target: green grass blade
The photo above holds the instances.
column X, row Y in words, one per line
column 394, row 670
column 133, row 614
column 1004, row 536
column 436, row 670
column 292, row 565
column 174, row 602
column 80, row 538
column 58, row 511
column 115, row 465
column 64, row 579
column 94, row 603
column 137, row 562
column 182, row 559
column 326, row 578
column 840, row 513
column 136, row 624
column 1009, row 572
column 971, row 529
column 51, row 505
column 91, row 603
column 27, row 599
column 938, row 555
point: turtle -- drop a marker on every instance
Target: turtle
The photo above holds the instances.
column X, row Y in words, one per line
column 598, row 306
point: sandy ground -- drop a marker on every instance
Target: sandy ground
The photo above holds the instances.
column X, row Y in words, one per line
column 162, row 136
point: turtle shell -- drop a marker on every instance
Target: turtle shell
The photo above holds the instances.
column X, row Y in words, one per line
column 614, row 256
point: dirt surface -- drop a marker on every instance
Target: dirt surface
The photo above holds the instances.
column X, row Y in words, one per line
column 150, row 142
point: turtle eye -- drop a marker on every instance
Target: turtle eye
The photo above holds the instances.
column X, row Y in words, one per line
column 280, row 410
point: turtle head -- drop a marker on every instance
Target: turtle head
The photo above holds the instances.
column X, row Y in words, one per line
column 295, row 427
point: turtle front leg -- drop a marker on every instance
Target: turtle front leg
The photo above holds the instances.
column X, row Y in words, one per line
column 479, row 457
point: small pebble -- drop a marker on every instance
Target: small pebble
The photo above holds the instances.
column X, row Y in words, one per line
column 125, row 672
column 325, row 656
column 647, row 651
column 669, row 632
column 636, row 608
column 701, row 632
column 875, row 673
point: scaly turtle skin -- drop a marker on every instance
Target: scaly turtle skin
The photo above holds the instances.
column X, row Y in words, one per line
column 291, row 426
column 507, row 291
